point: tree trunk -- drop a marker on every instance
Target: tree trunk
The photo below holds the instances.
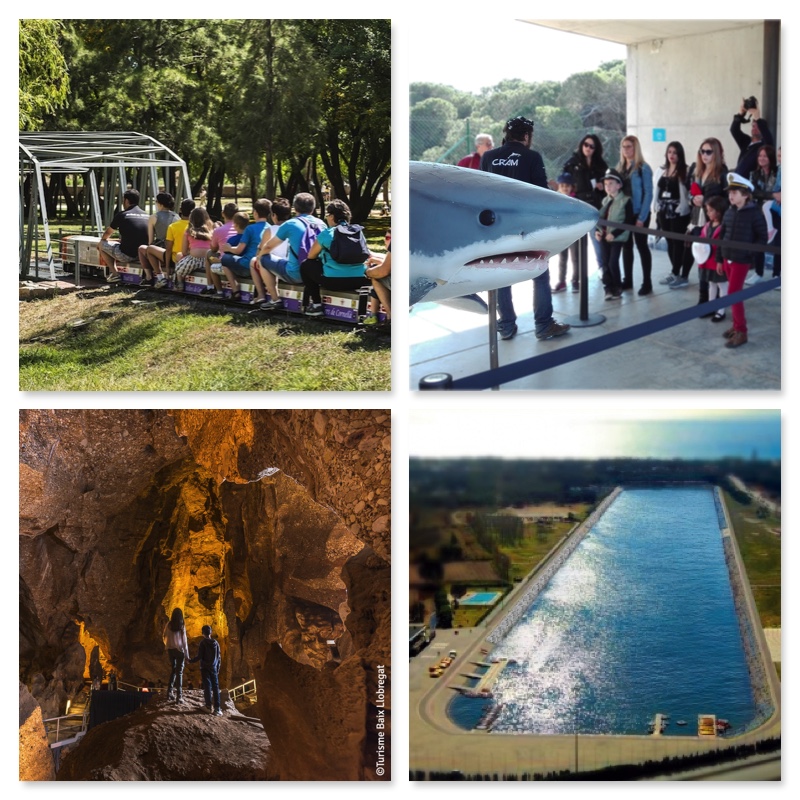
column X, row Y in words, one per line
column 216, row 181
column 198, row 184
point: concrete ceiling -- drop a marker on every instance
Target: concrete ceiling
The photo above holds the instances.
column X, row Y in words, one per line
column 636, row 31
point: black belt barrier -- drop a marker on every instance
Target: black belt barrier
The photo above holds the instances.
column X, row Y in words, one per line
column 564, row 355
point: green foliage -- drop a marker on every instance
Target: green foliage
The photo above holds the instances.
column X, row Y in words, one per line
column 463, row 102
column 353, row 58
column 563, row 112
column 430, row 124
column 295, row 103
column 43, row 75
column 444, row 612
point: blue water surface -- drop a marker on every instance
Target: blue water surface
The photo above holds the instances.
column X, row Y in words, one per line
column 639, row 620
column 481, row 599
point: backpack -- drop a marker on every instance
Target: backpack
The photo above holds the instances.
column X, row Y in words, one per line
column 348, row 245
column 313, row 228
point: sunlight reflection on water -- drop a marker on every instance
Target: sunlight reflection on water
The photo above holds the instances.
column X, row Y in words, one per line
column 639, row 620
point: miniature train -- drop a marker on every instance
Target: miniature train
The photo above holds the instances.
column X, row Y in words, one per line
column 348, row 307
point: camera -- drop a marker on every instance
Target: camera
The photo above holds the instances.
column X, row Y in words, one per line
column 750, row 103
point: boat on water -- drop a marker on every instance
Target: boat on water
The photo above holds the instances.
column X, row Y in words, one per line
column 681, row 722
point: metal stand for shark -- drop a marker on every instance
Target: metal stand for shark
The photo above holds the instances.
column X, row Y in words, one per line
column 584, row 318
column 473, row 231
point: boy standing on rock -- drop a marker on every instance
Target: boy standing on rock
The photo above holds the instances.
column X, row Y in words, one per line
column 209, row 657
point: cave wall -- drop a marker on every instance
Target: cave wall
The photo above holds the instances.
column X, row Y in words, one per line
column 265, row 524
column 35, row 761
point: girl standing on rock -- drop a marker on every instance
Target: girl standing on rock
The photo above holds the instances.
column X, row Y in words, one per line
column 178, row 650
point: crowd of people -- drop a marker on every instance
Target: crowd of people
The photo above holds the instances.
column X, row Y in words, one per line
column 703, row 198
column 282, row 244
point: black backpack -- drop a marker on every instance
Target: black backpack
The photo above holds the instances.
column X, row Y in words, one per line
column 348, row 245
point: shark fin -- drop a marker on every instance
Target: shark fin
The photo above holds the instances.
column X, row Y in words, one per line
column 470, row 302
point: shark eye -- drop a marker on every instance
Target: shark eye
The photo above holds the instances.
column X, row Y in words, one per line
column 487, row 217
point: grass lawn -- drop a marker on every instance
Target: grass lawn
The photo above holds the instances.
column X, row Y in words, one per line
column 761, row 553
column 535, row 545
column 166, row 344
column 469, row 616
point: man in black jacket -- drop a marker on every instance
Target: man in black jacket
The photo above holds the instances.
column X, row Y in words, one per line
column 515, row 159
column 209, row 657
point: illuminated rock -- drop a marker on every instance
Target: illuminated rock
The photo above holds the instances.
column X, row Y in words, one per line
column 247, row 521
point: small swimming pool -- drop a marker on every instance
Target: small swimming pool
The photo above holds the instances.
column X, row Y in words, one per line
column 480, row 599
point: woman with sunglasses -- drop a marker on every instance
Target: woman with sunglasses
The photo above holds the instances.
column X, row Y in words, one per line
column 587, row 167
column 638, row 177
column 707, row 178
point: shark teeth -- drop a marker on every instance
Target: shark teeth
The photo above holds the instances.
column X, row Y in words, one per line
column 520, row 260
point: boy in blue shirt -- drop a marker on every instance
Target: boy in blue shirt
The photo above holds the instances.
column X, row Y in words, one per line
column 236, row 259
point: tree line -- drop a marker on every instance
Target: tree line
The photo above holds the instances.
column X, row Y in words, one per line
column 494, row 482
column 594, row 100
column 280, row 105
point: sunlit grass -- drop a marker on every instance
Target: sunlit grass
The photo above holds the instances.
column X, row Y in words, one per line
column 162, row 344
column 760, row 547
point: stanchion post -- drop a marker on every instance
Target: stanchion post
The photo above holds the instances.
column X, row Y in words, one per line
column 584, row 318
column 583, row 271
column 494, row 360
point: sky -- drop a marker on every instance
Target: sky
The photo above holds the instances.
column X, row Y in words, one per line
column 520, row 50
column 529, row 433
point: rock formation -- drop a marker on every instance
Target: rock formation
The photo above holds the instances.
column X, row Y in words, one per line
column 272, row 526
column 164, row 742
column 35, row 761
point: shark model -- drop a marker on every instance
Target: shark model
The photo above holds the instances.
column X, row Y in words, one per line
column 471, row 231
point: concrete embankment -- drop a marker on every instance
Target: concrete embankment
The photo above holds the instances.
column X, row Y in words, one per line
column 543, row 578
column 753, row 640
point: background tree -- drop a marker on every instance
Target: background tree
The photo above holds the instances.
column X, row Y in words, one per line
column 444, row 120
column 43, row 75
column 288, row 104
column 353, row 61
column 430, row 124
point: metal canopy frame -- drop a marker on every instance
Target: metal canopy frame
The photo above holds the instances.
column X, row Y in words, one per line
column 110, row 159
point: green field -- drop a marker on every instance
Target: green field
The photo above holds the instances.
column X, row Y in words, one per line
column 144, row 341
column 535, row 546
column 469, row 616
column 760, row 547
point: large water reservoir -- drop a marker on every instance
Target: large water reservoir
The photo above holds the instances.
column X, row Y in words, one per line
column 639, row 620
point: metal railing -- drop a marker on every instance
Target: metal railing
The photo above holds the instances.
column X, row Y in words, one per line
column 246, row 688
column 74, row 732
